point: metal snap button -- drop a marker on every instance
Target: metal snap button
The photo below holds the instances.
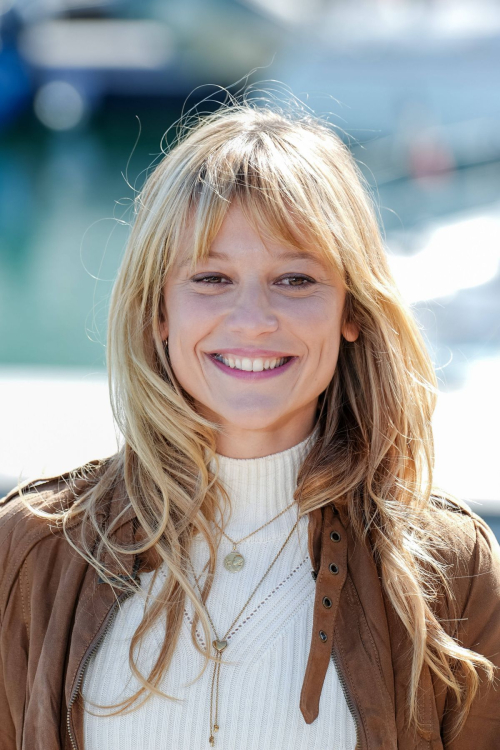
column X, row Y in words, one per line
column 327, row 602
column 314, row 574
column 333, row 568
column 323, row 635
column 335, row 536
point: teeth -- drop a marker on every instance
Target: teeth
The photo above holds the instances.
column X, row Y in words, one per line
column 251, row 365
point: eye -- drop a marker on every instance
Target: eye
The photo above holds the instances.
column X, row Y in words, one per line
column 204, row 279
column 298, row 277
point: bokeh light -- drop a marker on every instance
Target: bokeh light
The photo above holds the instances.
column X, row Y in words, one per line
column 59, row 105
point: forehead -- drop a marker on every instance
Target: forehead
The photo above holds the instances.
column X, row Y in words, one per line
column 281, row 255
column 240, row 233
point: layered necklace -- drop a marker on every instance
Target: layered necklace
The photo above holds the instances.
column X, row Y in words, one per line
column 233, row 562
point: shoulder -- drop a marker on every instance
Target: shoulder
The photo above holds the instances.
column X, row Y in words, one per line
column 26, row 516
column 47, row 494
column 468, row 548
column 461, row 526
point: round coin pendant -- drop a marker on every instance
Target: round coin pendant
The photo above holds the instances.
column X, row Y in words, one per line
column 234, row 562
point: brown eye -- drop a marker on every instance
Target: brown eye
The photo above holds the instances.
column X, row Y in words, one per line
column 298, row 278
column 204, row 279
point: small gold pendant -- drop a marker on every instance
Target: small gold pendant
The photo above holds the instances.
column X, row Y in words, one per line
column 234, row 561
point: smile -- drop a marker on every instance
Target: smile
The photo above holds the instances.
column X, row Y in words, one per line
column 251, row 365
column 252, row 369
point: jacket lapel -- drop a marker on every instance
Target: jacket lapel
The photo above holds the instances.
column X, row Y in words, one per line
column 346, row 631
column 96, row 605
column 362, row 649
column 328, row 549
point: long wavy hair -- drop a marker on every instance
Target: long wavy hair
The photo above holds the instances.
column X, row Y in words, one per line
column 296, row 179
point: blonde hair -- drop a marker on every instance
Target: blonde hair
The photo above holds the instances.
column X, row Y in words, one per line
column 296, row 179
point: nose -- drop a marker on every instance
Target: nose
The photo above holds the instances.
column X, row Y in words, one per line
column 252, row 312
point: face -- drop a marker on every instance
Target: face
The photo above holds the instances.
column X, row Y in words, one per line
column 254, row 303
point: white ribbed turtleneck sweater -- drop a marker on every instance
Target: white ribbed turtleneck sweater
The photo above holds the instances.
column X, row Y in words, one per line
column 259, row 692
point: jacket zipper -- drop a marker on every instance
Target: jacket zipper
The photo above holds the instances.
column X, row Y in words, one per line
column 92, row 648
column 350, row 703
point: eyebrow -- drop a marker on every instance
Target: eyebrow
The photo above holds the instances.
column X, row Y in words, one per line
column 285, row 255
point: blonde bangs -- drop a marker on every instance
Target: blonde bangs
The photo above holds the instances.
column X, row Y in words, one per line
column 271, row 186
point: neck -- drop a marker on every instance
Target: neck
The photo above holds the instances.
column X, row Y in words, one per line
column 261, row 488
column 236, row 442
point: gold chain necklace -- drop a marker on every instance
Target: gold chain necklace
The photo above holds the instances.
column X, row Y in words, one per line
column 220, row 644
column 234, row 561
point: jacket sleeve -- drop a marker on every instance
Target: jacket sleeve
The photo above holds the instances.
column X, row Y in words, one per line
column 7, row 729
column 12, row 628
column 480, row 632
column 12, row 689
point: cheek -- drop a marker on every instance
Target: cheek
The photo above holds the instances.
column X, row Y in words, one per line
column 322, row 307
column 190, row 323
column 318, row 323
column 187, row 317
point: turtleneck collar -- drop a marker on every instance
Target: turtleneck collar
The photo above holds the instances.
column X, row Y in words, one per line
column 260, row 488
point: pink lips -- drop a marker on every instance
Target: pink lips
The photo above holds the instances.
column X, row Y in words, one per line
column 245, row 375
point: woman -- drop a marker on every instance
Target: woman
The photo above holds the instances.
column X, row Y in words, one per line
column 274, row 487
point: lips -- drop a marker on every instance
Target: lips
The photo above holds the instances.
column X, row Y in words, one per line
column 263, row 368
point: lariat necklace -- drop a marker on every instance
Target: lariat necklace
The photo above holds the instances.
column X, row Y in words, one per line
column 220, row 644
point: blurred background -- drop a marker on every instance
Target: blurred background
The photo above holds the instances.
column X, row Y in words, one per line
column 87, row 90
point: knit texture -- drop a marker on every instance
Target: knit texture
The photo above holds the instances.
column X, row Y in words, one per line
column 268, row 646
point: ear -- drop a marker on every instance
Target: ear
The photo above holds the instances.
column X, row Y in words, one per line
column 350, row 331
column 164, row 330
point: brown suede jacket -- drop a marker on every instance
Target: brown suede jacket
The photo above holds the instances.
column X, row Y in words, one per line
column 54, row 613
